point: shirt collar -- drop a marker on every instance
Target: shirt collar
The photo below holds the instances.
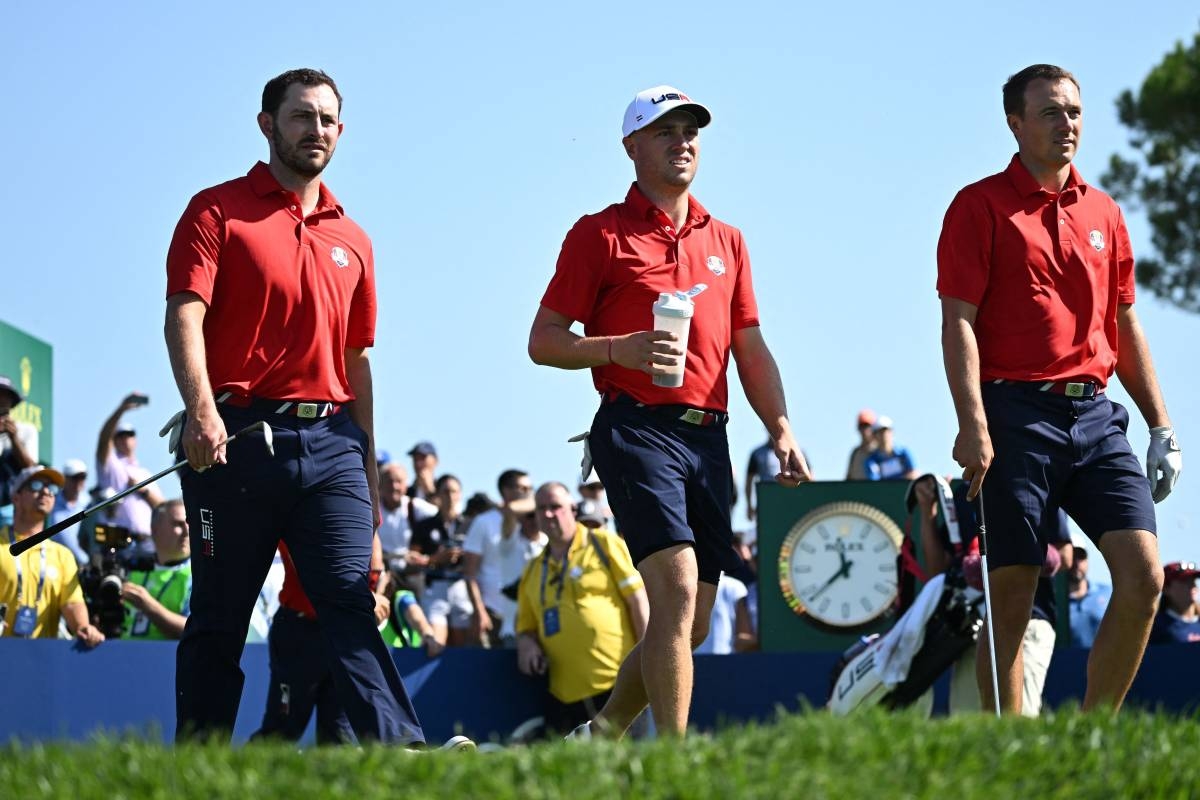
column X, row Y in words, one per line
column 264, row 184
column 1026, row 185
column 641, row 208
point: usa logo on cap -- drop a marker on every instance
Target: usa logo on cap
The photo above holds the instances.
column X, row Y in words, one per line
column 340, row 257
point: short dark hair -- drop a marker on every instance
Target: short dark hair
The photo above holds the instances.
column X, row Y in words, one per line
column 1079, row 553
column 276, row 88
column 477, row 504
column 1014, row 88
column 442, row 480
column 509, row 478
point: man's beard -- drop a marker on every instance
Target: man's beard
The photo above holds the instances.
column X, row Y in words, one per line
column 293, row 160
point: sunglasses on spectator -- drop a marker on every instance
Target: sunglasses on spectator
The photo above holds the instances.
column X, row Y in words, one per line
column 36, row 486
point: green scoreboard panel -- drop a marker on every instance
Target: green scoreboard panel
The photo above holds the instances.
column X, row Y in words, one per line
column 29, row 364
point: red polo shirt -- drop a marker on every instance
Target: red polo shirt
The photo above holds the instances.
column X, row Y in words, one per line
column 1047, row 272
column 614, row 264
column 286, row 293
column 291, row 594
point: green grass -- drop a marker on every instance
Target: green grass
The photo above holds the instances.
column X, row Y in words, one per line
column 809, row 756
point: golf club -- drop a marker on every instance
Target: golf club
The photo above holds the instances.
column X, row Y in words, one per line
column 18, row 547
column 987, row 602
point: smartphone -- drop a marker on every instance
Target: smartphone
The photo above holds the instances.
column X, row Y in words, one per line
column 139, row 399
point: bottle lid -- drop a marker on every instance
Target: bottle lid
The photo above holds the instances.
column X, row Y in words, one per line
column 674, row 304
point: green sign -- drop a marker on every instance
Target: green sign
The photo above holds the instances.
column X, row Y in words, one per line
column 836, row 533
column 784, row 625
column 29, row 363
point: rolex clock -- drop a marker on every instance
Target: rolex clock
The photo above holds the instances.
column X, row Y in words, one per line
column 837, row 565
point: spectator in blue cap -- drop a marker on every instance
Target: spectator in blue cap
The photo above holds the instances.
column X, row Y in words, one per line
column 424, row 460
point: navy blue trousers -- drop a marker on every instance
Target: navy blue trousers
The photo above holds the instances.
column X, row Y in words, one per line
column 300, row 683
column 313, row 495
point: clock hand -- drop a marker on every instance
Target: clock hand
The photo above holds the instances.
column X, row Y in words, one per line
column 827, row 583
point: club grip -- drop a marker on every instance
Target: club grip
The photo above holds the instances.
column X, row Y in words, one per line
column 20, row 546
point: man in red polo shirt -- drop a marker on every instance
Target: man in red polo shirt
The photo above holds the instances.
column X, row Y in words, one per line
column 1035, row 274
column 662, row 452
column 270, row 311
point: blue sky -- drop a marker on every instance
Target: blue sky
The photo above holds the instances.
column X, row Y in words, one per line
column 475, row 136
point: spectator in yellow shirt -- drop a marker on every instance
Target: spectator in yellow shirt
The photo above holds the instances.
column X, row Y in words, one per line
column 42, row 584
column 581, row 609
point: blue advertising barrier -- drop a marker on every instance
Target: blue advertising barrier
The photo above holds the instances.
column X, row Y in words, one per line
column 55, row 690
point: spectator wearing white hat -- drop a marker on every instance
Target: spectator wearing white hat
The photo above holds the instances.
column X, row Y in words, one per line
column 71, row 500
column 118, row 469
column 18, row 440
column 888, row 462
column 591, row 488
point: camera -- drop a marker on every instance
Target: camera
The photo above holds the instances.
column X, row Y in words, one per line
column 101, row 579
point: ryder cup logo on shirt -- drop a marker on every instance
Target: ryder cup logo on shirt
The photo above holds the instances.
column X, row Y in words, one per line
column 1097, row 240
column 716, row 265
column 340, row 257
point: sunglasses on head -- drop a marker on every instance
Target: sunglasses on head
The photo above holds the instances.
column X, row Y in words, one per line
column 38, row 485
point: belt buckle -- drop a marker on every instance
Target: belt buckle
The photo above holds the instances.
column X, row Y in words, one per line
column 1075, row 389
column 307, row 410
column 694, row 416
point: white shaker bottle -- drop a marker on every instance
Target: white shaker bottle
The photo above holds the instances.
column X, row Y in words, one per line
column 673, row 312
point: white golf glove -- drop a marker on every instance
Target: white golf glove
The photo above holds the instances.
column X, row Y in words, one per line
column 1164, row 456
column 585, row 466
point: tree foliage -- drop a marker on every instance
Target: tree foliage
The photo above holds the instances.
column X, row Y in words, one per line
column 1164, row 177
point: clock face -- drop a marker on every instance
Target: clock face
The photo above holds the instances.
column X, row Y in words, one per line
column 837, row 565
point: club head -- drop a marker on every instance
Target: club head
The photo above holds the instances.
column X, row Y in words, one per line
column 268, row 435
column 268, row 438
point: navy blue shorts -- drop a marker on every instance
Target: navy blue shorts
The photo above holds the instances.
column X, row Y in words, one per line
column 1054, row 452
column 668, row 482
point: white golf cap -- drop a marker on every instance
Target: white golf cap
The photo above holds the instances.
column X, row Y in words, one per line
column 883, row 423
column 74, row 467
column 650, row 104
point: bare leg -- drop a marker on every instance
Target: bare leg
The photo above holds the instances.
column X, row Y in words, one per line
column 659, row 669
column 628, row 698
column 1012, row 590
column 706, row 596
column 1137, row 577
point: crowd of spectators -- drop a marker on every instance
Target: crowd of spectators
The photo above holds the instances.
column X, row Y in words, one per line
column 535, row 574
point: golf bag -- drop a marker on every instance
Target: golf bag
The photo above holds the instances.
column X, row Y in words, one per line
column 934, row 629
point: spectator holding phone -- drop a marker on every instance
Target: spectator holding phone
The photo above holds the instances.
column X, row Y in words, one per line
column 118, row 469
column 436, row 546
column 18, row 440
